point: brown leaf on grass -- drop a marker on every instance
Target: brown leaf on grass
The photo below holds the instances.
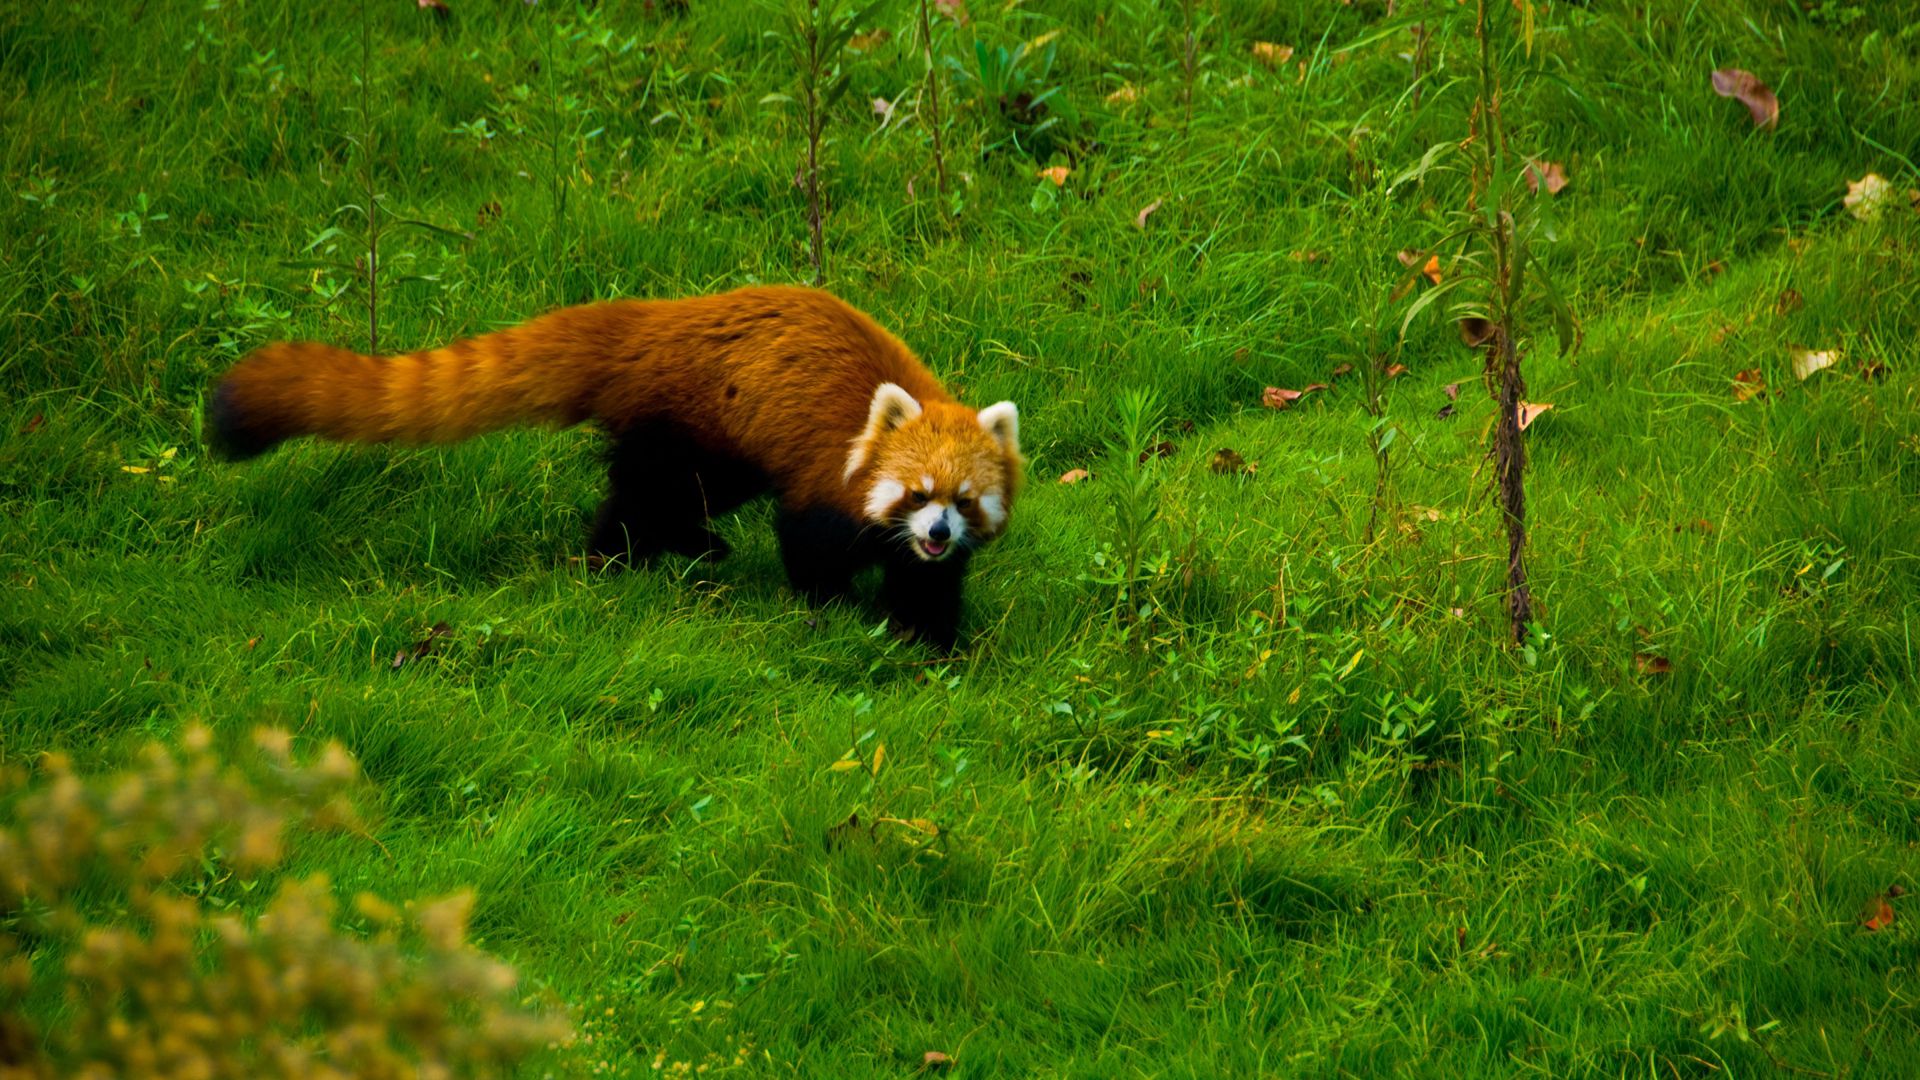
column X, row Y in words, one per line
column 1808, row 361
column 35, row 424
column 1868, row 197
column 1751, row 92
column 1878, row 914
column 1475, row 331
column 1394, row 371
column 1651, row 664
column 488, row 213
column 1140, row 219
column 1873, row 371
column 1057, row 174
column 1158, row 450
column 1445, row 413
column 1313, row 387
column 1272, row 55
column 1227, row 462
column 1307, row 256
column 1549, row 173
column 1529, row 413
column 870, row 40
column 1789, row 302
column 1452, row 390
column 1126, row 95
column 883, row 109
column 1411, row 258
column 1716, row 267
column 1749, row 384
column 422, row 647
column 1341, row 372
column 1074, row 476
column 437, row 6
column 1277, row 397
column 934, row 1059
column 953, row 9
column 252, row 643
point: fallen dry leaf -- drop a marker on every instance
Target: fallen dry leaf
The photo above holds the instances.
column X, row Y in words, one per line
column 1445, row 413
column 1057, row 174
column 1126, row 95
column 1749, row 384
column 952, row 9
column 1789, row 302
column 422, row 647
column 1305, row 256
column 883, row 109
column 1651, row 664
column 1227, row 462
column 1751, row 92
column 934, row 1059
column 870, row 40
column 1312, row 387
column 1158, row 450
column 1341, row 371
column 1270, row 54
column 1276, row 397
column 1868, row 197
column 1452, row 390
column 1475, row 331
column 1549, row 173
column 1411, row 258
column 1873, row 371
column 1140, row 219
column 1432, row 269
column 1530, row 412
column 252, row 643
column 34, row 424
column 1808, row 361
column 1394, row 371
column 433, row 5
column 1878, row 915
column 1074, row 476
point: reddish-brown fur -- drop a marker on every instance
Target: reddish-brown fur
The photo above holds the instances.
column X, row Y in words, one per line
column 777, row 381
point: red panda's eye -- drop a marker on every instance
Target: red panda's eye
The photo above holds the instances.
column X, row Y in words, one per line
column 963, row 503
column 919, row 498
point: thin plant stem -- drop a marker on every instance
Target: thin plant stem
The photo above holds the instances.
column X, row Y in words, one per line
column 933, row 99
column 366, row 157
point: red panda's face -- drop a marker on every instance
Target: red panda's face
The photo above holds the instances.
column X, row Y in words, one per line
column 941, row 478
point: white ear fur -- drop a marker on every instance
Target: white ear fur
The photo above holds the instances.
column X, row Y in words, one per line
column 892, row 407
column 1002, row 421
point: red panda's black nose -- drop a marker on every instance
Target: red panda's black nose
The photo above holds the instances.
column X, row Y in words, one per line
column 939, row 531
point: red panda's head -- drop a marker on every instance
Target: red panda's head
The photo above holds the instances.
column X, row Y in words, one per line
column 941, row 476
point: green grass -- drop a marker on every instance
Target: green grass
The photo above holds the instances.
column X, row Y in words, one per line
column 1304, row 814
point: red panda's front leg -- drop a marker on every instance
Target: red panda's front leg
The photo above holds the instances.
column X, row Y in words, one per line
column 822, row 549
column 925, row 597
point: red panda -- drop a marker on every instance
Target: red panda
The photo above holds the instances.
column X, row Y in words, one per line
column 710, row 402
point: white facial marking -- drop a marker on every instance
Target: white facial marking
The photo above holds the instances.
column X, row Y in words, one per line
column 926, row 484
column 882, row 497
column 921, row 521
column 994, row 508
column 966, row 487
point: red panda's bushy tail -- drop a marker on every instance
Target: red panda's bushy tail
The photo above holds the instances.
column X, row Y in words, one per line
column 550, row 370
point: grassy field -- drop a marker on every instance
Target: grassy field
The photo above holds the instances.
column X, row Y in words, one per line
column 1220, row 788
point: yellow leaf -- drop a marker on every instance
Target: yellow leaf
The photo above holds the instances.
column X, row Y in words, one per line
column 135, row 469
column 845, row 764
column 1294, row 698
column 1353, row 663
column 1057, row 174
column 879, row 755
column 167, row 454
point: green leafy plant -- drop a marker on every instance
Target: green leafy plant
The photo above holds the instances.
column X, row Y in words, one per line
column 143, row 908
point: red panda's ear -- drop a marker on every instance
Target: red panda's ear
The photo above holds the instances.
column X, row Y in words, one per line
column 1002, row 421
column 892, row 406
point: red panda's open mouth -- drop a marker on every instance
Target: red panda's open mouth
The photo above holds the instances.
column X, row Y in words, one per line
column 931, row 549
